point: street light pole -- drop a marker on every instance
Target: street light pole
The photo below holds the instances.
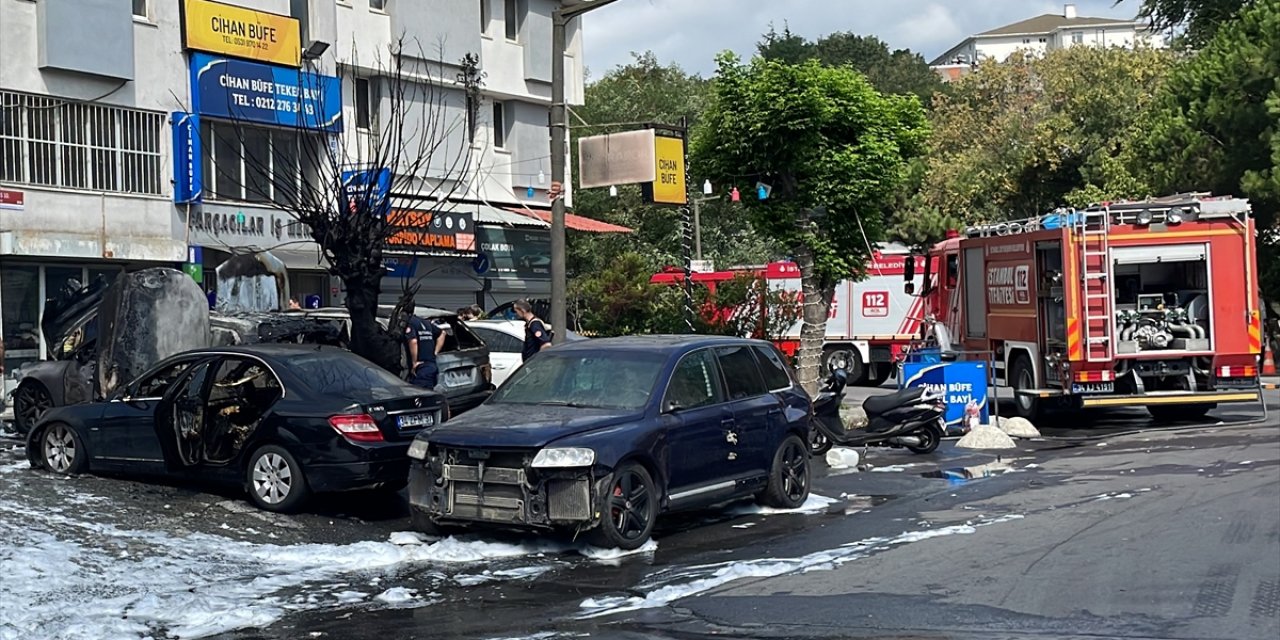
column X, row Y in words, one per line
column 560, row 16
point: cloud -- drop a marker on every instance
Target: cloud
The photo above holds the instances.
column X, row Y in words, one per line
column 692, row 32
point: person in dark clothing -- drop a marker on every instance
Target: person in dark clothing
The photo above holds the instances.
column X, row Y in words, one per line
column 425, row 340
column 537, row 335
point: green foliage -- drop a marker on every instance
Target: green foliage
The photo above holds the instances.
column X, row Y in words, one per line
column 1198, row 19
column 822, row 137
column 897, row 71
column 647, row 91
column 1217, row 125
column 1021, row 137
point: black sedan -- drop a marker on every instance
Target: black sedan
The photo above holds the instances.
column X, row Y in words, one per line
column 601, row 436
column 282, row 421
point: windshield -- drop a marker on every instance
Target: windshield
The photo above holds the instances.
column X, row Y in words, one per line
column 595, row 381
column 348, row 376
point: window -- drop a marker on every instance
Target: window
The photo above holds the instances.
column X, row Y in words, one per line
column 362, row 103
column 694, row 383
column 378, row 5
column 776, row 375
column 484, row 16
column 600, row 381
column 256, row 164
column 499, row 125
column 53, row 142
column 499, row 342
column 1077, row 37
column 140, row 8
column 513, row 18
column 975, row 302
column 741, row 375
column 155, row 385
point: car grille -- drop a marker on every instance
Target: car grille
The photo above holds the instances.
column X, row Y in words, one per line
column 498, row 495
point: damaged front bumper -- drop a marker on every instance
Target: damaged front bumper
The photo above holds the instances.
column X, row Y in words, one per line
column 502, row 489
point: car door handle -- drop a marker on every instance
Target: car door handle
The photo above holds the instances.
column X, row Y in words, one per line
column 775, row 411
column 728, row 423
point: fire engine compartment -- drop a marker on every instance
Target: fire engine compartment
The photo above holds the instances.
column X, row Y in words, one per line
column 1162, row 306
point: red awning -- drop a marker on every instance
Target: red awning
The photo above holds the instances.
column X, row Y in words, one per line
column 571, row 221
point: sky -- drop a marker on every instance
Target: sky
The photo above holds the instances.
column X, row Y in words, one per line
column 692, row 32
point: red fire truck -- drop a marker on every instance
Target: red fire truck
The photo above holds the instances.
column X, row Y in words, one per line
column 871, row 321
column 1151, row 303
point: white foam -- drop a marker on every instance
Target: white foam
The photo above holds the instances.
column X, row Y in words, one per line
column 813, row 504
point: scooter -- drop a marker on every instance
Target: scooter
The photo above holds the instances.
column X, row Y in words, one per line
column 910, row 418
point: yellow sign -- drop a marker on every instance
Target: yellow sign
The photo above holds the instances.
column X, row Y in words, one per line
column 668, row 184
column 242, row 33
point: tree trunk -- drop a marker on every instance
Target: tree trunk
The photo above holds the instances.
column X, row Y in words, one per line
column 813, row 332
column 368, row 339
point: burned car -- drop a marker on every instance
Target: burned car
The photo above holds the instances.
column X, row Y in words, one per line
column 599, row 437
column 103, row 333
column 282, row 421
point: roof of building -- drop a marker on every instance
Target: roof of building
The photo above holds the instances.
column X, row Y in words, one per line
column 1050, row 22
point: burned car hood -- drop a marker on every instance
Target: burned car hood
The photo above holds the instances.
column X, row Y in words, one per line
column 67, row 310
column 521, row 426
column 145, row 317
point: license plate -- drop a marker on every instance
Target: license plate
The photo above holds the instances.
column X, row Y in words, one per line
column 415, row 420
column 1094, row 387
column 459, row 378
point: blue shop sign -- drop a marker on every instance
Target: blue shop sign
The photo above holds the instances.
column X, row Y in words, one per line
column 367, row 190
column 961, row 381
column 188, row 170
column 253, row 92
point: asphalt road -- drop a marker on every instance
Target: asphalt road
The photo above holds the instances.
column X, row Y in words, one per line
column 1108, row 527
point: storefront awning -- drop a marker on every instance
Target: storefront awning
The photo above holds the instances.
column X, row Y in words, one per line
column 486, row 214
column 571, row 221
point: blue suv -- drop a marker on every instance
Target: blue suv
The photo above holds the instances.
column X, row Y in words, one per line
column 600, row 437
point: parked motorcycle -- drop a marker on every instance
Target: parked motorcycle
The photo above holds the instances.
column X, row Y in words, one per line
column 910, row 418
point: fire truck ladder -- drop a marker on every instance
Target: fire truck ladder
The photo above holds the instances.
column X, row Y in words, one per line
column 1092, row 230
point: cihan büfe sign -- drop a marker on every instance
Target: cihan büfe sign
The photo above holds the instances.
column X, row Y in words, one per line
column 247, row 92
column 241, row 32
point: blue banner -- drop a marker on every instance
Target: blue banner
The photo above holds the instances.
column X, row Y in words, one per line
column 253, row 92
column 963, row 382
column 188, row 168
column 368, row 190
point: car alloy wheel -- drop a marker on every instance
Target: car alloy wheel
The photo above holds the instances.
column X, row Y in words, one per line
column 272, row 478
column 30, row 404
column 631, row 505
column 795, row 471
column 60, row 451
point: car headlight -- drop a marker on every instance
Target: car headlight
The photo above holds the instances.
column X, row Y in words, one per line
column 418, row 450
column 560, row 457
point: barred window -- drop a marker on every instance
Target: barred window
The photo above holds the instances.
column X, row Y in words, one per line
column 256, row 164
column 53, row 142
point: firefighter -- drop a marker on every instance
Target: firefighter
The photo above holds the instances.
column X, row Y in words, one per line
column 424, row 340
column 537, row 335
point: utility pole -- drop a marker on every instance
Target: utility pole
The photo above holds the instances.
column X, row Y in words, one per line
column 565, row 11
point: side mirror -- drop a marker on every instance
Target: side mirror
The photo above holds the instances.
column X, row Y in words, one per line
column 909, row 288
column 671, row 407
column 909, row 268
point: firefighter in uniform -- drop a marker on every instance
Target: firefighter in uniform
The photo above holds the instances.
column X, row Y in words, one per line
column 425, row 340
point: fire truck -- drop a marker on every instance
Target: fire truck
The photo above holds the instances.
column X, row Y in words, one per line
column 1151, row 303
column 871, row 323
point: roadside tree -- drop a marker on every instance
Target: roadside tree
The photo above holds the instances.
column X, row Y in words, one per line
column 832, row 150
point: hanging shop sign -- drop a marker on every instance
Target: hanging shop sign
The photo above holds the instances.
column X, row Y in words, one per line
column 432, row 232
column 242, row 33
column 247, row 91
column 188, row 172
column 668, row 186
column 519, row 253
column 367, row 190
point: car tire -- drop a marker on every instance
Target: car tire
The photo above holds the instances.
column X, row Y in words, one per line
column 274, row 480
column 422, row 523
column 1022, row 376
column 1178, row 412
column 930, row 436
column 847, row 358
column 881, row 375
column 30, row 402
column 789, row 477
column 62, row 451
column 628, row 510
column 819, row 443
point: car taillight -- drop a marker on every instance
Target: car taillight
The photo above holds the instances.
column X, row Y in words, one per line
column 357, row 428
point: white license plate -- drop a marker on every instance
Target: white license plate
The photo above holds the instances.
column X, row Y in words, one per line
column 1094, row 387
column 414, row 420
column 459, row 378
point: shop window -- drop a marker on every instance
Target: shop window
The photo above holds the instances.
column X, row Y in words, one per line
column 54, row 142
column 20, row 295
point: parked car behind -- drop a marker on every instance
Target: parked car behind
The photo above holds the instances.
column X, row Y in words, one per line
column 601, row 436
column 505, row 339
column 283, row 421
